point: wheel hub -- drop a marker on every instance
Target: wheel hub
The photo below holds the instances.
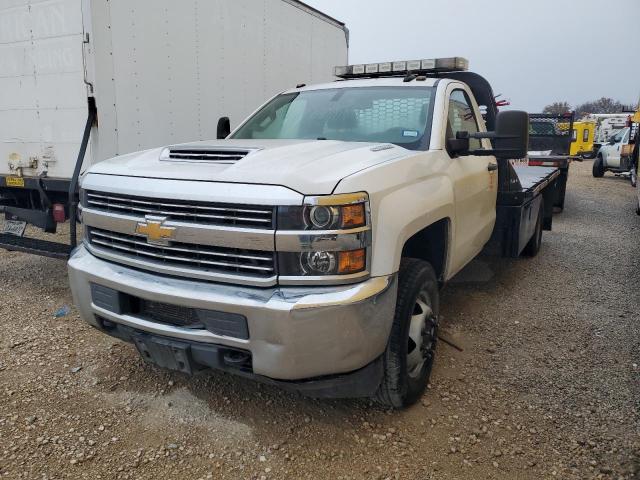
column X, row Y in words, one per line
column 421, row 336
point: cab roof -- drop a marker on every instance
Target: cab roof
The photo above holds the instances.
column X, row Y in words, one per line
column 367, row 82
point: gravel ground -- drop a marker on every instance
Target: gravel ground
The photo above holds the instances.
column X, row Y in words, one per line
column 547, row 384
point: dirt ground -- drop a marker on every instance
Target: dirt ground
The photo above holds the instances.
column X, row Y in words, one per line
column 547, row 384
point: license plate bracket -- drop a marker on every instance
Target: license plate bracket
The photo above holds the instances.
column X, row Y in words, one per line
column 14, row 227
column 165, row 353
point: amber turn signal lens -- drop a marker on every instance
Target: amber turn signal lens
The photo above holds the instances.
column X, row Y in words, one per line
column 353, row 216
column 352, row 262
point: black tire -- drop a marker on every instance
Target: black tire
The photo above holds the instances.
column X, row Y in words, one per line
column 638, row 207
column 533, row 247
column 418, row 293
column 598, row 167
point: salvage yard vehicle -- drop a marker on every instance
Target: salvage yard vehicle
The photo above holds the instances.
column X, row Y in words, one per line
column 108, row 78
column 617, row 155
column 550, row 138
column 606, row 125
column 582, row 137
column 307, row 248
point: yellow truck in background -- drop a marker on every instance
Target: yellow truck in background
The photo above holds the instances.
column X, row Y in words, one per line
column 582, row 138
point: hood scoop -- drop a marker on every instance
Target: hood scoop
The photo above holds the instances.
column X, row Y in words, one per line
column 224, row 156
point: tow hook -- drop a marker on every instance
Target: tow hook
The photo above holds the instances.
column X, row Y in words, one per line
column 236, row 359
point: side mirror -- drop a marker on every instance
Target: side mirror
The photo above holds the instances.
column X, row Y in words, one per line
column 224, row 128
column 612, row 141
column 510, row 138
column 459, row 145
column 512, row 134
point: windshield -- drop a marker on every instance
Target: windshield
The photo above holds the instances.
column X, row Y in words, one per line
column 398, row 115
column 620, row 135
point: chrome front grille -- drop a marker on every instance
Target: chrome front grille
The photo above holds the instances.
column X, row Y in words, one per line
column 205, row 213
column 206, row 259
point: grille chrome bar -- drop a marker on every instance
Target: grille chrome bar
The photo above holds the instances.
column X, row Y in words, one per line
column 128, row 239
column 174, row 213
column 197, row 212
column 195, row 257
column 221, row 236
column 175, row 205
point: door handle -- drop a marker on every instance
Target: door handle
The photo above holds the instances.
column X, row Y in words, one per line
column 492, row 167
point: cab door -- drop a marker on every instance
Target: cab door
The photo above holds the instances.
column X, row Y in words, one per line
column 614, row 151
column 475, row 179
column 587, row 138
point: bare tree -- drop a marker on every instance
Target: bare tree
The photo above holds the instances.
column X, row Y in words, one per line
column 603, row 105
column 557, row 108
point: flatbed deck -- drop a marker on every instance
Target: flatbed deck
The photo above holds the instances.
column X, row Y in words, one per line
column 534, row 179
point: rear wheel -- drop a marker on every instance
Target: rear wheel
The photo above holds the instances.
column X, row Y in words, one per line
column 533, row 247
column 598, row 167
column 408, row 359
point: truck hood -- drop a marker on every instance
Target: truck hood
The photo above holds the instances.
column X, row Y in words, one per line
column 307, row 166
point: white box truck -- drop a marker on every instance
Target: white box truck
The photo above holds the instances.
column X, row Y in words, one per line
column 114, row 77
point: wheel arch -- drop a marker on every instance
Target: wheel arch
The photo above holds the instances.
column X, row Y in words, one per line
column 431, row 244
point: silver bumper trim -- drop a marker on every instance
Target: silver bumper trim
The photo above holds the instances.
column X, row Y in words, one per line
column 295, row 332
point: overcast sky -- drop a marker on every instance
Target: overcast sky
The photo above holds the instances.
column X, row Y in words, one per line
column 533, row 52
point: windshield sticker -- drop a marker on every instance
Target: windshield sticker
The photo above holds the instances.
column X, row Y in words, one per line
column 410, row 133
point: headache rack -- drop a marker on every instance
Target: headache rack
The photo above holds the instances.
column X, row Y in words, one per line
column 551, row 132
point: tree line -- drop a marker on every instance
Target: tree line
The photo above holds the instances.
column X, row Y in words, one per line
column 602, row 105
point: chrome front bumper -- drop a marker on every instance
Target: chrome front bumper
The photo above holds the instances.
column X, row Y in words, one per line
column 295, row 333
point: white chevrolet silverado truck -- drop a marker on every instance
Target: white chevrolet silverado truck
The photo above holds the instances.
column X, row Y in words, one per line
column 307, row 247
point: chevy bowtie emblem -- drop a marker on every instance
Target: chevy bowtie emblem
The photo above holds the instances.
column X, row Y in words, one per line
column 153, row 228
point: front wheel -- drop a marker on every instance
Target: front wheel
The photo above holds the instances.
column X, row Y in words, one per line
column 598, row 167
column 408, row 358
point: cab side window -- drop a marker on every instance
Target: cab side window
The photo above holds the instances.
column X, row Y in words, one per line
column 462, row 118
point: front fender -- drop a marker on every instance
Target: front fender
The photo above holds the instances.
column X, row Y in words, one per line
column 406, row 196
column 404, row 213
column 604, row 154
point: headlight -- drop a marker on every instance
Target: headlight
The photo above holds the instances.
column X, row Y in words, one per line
column 332, row 212
column 322, row 263
column 322, row 217
column 326, row 240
